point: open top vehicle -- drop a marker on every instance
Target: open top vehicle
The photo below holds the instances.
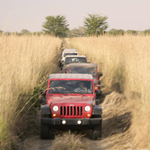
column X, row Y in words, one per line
column 70, row 104
column 86, row 68
column 74, row 59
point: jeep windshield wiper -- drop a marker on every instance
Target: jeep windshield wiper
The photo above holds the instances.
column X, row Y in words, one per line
column 58, row 93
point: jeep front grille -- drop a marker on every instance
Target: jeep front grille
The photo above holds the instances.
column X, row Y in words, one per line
column 73, row 111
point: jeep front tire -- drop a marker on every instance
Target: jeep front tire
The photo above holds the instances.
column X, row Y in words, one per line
column 97, row 132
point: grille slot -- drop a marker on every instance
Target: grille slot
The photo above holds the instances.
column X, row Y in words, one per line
column 71, row 111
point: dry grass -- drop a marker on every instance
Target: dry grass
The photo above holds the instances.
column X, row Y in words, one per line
column 23, row 62
column 116, row 122
column 69, row 141
column 124, row 61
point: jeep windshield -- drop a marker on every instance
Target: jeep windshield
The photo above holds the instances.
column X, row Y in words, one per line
column 70, row 60
column 65, row 54
column 82, row 70
column 71, row 86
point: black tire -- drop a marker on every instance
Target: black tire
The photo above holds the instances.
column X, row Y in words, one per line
column 97, row 132
column 44, row 131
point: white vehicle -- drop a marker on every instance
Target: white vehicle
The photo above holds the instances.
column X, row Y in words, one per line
column 73, row 59
column 68, row 52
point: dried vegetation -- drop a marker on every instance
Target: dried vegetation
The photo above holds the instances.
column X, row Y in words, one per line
column 24, row 60
column 70, row 141
column 124, row 61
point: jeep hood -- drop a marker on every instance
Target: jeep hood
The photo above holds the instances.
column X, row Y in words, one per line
column 70, row 99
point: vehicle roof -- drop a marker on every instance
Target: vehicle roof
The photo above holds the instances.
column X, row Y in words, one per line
column 70, row 52
column 65, row 50
column 81, row 64
column 70, row 76
column 75, row 56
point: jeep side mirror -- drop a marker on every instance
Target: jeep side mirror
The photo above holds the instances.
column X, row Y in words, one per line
column 100, row 74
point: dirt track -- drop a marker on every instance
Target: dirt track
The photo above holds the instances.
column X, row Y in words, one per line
column 116, row 122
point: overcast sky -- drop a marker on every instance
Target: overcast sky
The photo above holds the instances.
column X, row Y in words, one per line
column 16, row 15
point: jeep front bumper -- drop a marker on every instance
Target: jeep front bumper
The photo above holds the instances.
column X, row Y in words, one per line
column 66, row 121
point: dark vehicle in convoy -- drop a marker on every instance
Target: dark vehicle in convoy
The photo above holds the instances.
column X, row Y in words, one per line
column 70, row 104
column 86, row 68
column 74, row 59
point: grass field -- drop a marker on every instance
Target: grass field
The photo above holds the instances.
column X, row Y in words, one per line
column 24, row 61
column 124, row 61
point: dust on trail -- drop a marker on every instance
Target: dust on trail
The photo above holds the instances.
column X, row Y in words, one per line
column 35, row 143
column 116, row 122
column 115, row 132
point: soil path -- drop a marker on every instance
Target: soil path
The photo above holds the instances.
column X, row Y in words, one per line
column 116, row 122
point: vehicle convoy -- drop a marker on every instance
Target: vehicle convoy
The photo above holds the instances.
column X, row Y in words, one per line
column 70, row 104
column 87, row 68
column 67, row 52
column 73, row 59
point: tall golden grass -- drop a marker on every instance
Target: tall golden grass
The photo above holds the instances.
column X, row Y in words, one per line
column 125, row 63
column 24, row 60
column 70, row 141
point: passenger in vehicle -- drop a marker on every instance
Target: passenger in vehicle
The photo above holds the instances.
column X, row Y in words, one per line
column 82, row 88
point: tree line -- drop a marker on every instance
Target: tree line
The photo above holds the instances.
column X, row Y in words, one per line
column 94, row 25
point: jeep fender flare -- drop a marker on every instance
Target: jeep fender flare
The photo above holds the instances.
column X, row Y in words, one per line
column 45, row 110
column 97, row 110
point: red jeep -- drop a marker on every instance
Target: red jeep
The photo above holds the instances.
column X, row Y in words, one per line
column 70, row 104
column 86, row 68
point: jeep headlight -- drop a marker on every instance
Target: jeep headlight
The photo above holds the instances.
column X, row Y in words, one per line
column 87, row 108
column 55, row 108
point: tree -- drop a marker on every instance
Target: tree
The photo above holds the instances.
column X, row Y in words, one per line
column 1, row 32
column 77, row 32
column 37, row 33
column 56, row 25
column 7, row 33
column 116, row 32
column 25, row 32
column 147, row 32
column 95, row 24
column 133, row 32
